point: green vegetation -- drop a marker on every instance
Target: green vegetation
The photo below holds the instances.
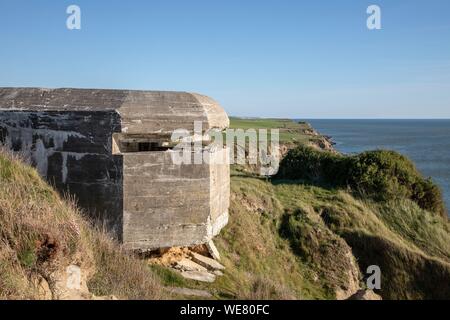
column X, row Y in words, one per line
column 297, row 241
column 310, row 233
column 380, row 175
column 294, row 232
column 300, row 238
column 169, row 276
column 407, row 242
column 291, row 133
column 259, row 262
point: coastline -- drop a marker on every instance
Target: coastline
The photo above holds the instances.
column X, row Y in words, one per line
column 425, row 142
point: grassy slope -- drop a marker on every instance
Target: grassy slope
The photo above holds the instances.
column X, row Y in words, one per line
column 263, row 246
column 271, row 250
column 411, row 245
column 260, row 264
column 41, row 233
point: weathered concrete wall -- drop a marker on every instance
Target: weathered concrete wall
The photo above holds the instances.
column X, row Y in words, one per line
column 163, row 112
column 170, row 200
column 219, row 172
column 72, row 150
column 140, row 111
column 146, row 200
column 182, row 205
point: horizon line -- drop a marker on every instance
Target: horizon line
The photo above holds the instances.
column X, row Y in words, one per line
column 344, row 118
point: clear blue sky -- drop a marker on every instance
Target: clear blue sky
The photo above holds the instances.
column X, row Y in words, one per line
column 302, row 59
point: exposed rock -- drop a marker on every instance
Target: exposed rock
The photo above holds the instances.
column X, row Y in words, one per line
column 323, row 143
column 70, row 284
column 73, row 281
column 169, row 256
column 199, row 276
column 310, row 132
column 43, row 288
column 189, row 265
column 218, row 273
column 365, row 295
column 208, row 263
column 213, row 250
column 189, row 292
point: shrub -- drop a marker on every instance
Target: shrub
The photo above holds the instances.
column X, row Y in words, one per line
column 428, row 196
column 308, row 164
column 380, row 175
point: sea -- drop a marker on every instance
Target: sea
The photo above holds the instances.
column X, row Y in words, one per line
column 426, row 142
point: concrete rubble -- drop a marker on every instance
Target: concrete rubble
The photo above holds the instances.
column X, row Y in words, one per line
column 201, row 276
column 189, row 292
column 213, row 250
column 206, row 262
column 189, row 265
column 200, row 268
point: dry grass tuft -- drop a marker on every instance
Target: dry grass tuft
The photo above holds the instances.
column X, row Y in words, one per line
column 41, row 233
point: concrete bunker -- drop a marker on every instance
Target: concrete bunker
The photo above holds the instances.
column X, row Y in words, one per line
column 112, row 150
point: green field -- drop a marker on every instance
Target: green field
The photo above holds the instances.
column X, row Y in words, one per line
column 291, row 132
